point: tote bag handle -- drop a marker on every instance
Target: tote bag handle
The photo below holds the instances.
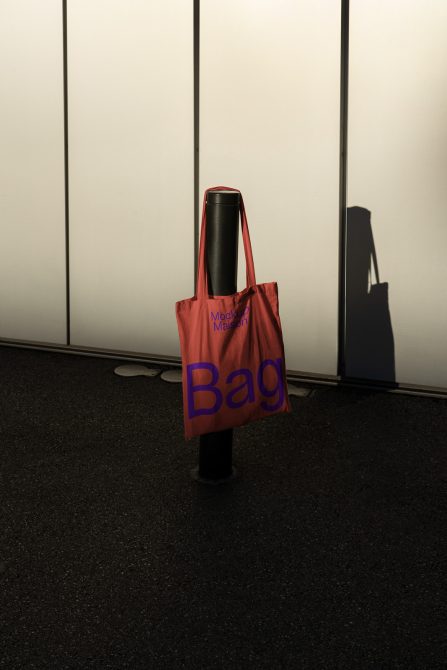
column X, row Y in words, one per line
column 202, row 275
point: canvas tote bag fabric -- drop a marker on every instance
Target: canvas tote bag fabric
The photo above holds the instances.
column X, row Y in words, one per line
column 233, row 366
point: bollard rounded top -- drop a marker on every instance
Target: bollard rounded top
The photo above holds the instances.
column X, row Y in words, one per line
column 223, row 198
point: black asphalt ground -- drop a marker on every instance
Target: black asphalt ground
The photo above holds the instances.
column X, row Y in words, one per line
column 328, row 550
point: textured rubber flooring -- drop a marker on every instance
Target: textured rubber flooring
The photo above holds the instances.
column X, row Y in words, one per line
column 328, row 550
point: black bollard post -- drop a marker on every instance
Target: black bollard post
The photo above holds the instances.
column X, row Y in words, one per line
column 222, row 236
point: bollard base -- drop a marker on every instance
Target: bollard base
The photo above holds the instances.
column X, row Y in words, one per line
column 224, row 480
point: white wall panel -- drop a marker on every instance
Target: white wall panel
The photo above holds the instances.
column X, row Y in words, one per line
column 130, row 97
column 32, row 199
column 398, row 170
column 269, row 125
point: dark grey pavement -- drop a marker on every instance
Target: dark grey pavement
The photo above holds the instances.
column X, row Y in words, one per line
column 328, row 551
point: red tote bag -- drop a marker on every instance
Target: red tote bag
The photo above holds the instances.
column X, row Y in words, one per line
column 233, row 367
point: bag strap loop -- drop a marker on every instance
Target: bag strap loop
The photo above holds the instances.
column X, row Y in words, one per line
column 202, row 274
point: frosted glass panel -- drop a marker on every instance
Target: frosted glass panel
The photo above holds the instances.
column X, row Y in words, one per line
column 32, row 198
column 397, row 192
column 130, row 68
column 269, row 125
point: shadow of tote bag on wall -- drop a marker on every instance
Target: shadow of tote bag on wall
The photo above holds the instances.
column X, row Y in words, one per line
column 233, row 366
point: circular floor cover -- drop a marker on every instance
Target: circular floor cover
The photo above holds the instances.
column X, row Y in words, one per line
column 135, row 371
column 172, row 375
column 298, row 390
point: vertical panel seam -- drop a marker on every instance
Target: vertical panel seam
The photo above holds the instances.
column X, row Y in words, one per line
column 196, row 49
column 67, row 224
column 344, row 78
